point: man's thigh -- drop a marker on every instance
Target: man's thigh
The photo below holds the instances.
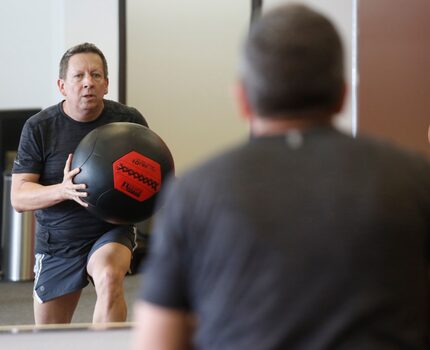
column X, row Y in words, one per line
column 58, row 310
column 113, row 256
column 57, row 276
column 112, row 251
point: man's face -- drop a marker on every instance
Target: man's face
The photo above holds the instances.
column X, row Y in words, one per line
column 85, row 83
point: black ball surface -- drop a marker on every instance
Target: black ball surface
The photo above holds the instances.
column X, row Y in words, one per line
column 124, row 166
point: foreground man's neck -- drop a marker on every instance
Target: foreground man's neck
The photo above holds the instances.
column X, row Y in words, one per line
column 267, row 126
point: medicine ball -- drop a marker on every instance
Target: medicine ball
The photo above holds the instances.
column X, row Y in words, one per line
column 124, row 166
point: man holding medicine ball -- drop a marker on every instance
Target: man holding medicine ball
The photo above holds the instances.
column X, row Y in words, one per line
column 72, row 246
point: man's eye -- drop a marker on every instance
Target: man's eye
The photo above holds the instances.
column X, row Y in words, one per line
column 97, row 76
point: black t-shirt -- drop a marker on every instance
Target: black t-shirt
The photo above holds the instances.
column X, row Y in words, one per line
column 46, row 141
column 300, row 241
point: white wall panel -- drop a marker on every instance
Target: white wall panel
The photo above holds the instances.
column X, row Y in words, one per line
column 35, row 34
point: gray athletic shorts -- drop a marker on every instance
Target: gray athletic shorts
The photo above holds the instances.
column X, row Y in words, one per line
column 56, row 276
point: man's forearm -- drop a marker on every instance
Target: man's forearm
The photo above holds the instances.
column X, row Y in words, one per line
column 33, row 196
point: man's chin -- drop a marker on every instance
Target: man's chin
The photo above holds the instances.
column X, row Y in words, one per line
column 91, row 108
column 91, row 104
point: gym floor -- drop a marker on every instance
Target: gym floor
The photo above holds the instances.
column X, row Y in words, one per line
column 16, row 303
column 67, row 339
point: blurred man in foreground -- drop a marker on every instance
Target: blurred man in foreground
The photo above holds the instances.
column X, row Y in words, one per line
column 300, row 238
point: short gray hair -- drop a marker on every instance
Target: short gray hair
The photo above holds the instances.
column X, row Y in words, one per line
column 81, row 48
column 292, row 62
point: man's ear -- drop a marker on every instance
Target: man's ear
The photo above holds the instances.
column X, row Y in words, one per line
column 60, row 84
column 107, row 86
column 242, row 101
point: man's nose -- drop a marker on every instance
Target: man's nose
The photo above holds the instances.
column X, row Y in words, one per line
column 88, row 80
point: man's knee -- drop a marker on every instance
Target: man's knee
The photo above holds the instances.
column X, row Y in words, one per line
column 109, row 281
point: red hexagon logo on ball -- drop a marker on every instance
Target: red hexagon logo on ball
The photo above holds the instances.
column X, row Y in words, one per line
column 137, row 176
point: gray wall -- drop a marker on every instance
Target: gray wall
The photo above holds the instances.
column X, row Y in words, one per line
column 181, row 65
column 182, row 59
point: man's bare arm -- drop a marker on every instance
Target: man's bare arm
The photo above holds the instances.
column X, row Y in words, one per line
column 159, row 328
column 28, row 194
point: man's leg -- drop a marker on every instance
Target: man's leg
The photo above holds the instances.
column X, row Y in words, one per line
column 108, row 266
column 58, row 310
